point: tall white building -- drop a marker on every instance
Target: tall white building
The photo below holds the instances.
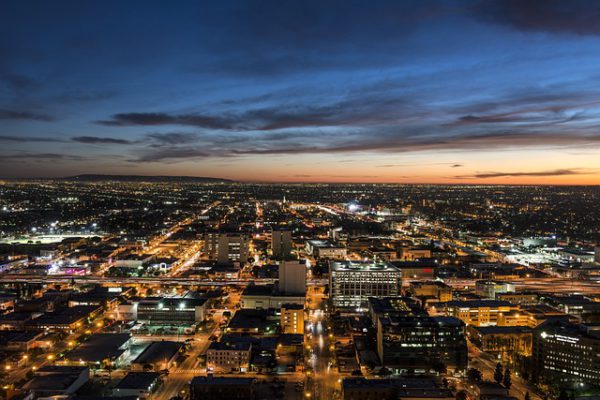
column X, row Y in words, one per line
column 352, row 283
column 292, row 277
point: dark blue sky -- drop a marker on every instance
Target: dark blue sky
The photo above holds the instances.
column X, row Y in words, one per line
column 402, row 91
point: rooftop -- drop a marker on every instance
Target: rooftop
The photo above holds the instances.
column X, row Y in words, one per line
column 359, row 266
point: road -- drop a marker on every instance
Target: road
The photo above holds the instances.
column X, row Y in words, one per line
column 486, row 363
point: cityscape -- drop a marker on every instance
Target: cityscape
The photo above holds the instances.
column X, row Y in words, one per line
column 328, row 200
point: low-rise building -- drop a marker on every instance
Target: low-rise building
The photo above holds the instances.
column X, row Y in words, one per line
column 222, row 388
column 436, row 290
column 228, row 356
column 325, row 249
column 503, row 340
column 54, row 380
column 158, row 356
column 138, row 384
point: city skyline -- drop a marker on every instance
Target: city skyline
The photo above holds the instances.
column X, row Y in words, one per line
column 396, row 92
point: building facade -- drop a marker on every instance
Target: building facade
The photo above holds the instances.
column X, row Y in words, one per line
column 352, row 283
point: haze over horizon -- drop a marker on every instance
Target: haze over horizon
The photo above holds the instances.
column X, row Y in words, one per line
column 503, row 92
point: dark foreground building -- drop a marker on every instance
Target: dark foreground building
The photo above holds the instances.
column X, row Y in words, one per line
column 567, row 353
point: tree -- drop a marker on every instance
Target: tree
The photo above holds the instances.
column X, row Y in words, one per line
column 527, row 396
column 498, row 374
column 506, row 380
column 474, row 375
column 462, row 395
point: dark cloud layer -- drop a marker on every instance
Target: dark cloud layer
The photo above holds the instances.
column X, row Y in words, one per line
column 24, row 115
column 99, row 140
column 557, row 172
column 557, row 16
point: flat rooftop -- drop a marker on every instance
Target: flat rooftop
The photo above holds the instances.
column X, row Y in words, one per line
column 158, row 352
column 360, row 266
column 138, row 380
column 99, row 347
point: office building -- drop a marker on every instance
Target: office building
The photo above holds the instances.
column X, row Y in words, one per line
column 566, row 353
column 421, row 344
column 352, row 283
column 292, row 277
column 281, row 243
column 226, row 247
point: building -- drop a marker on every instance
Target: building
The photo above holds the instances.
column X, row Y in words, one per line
column 399, row 305
column 490, row 289
column 292, row 319
column 436, row 290
column 521, row 298
column 421, row 344
column 417, row 269
column 266, row 297
column 227, row 247
column 138, row 384
column 480, row 312
column 503, row 340
column 393, row 389
column 158, row 356
column 580, row 306
column 352, row 283
column 228, row 356
column 54, row 380
column 281, row 243
column 164, row 310
column 567, row 353
column 292, row 277
column 325, row 249
column 250, row 322
column 221, row 388
column 100, row 349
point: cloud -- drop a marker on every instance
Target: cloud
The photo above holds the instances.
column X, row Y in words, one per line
column 25, row 157
column 24, row 115
column 154, row 119
column 556, row 16
column 456, row 165
column 173, row 138
column 28, row 139
column 99, row 140
column 556, row 172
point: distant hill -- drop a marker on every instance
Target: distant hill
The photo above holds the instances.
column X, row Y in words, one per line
column 143, row 178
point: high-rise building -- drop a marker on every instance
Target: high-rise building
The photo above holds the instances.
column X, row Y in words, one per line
column 292, row 277
column 281, row 243
column 352, row 283
column 292, row 319
column 567, row 353
column 226, row 247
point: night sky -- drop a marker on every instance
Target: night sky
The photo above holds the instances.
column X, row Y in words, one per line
column 340, row 91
